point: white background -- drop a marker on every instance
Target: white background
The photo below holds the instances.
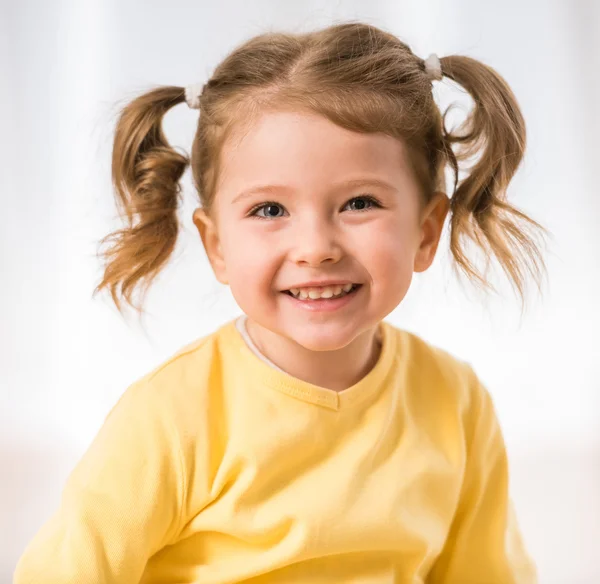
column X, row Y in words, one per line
column 65, row 357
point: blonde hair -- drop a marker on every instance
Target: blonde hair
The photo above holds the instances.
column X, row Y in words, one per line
column 359, row 77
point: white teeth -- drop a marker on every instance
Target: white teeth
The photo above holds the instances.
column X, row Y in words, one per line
column 324, row 292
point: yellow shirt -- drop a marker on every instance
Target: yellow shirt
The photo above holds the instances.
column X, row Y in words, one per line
column 217, row 468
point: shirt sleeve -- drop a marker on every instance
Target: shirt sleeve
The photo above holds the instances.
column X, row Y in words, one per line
column 484, row 544
column 120, row 504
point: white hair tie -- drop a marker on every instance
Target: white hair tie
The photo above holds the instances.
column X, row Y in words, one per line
column 192, row 95
column 433, row 67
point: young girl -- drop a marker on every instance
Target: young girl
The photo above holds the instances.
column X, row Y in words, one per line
column 307, row 440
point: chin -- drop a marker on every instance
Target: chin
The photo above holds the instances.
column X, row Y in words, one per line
column 314, row 341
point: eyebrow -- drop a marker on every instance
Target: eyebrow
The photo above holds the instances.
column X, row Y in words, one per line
column 277, row 189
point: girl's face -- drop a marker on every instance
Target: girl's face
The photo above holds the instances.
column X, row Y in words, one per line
column 303, row 200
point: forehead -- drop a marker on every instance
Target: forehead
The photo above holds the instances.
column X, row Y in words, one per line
column 300, row 149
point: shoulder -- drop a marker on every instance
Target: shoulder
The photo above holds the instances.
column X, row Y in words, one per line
column 178, row 389
column 190, row 371
column 443, row 392
column 172, row 406
column 435, row 371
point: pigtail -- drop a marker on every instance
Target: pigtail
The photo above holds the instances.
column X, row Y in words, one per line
column 145, row 173
column 495, row 129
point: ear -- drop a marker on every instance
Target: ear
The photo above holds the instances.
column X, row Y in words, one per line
column 210, row 239
column 432, row 224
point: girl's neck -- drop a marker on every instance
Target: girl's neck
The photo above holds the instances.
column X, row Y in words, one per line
column 335, row 370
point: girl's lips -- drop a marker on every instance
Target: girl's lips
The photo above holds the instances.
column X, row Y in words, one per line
column 324, row 304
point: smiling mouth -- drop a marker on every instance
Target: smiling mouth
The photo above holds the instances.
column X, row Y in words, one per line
column 327, row 293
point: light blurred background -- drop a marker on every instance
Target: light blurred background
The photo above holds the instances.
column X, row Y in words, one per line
column 65, row 358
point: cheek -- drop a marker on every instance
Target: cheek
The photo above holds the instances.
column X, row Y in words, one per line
column 389, row 251
column 249, row 259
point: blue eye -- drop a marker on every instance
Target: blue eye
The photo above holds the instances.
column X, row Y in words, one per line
column 364, row 202
column 270, row 208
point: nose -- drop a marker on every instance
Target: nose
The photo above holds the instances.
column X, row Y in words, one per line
column 314, row 243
